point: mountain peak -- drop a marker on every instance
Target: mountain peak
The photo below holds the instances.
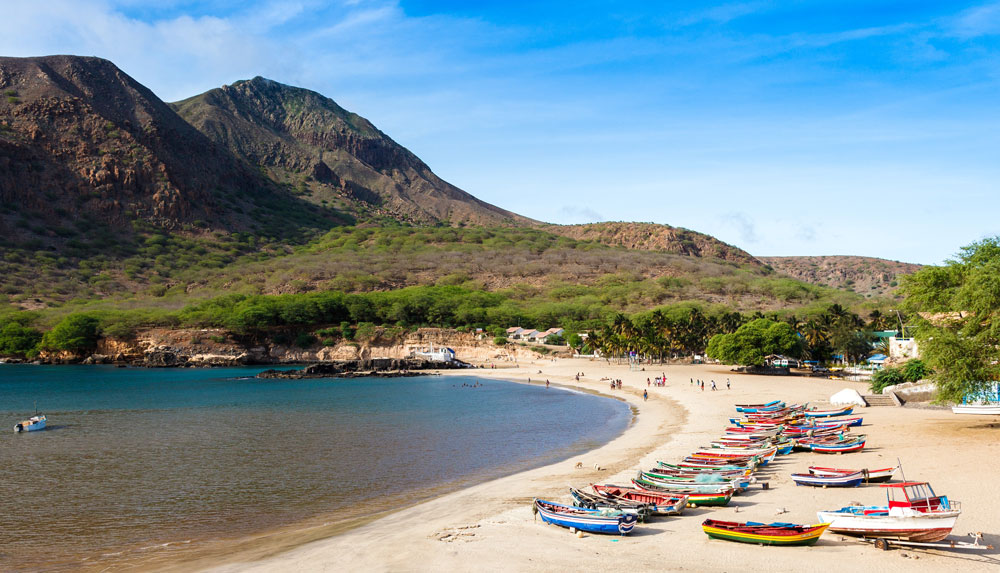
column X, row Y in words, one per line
column 330, row 155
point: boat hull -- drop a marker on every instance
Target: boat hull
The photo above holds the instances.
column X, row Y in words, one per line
column 786, row 535
column 31, row 425
column 908, row 526
column 589, row 520
column 980, row 409
column 839, row 480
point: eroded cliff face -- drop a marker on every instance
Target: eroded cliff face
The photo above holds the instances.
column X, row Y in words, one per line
column 214, row 347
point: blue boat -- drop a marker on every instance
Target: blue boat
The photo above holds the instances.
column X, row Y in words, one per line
column 845, row 411
column 757, row 408
column 845, row 480
column 606, row 520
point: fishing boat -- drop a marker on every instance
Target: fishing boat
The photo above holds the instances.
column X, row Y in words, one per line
column 605, row 520
column 669, row 483
column 844, row 411
column 694, row 498
column 871, row 476
column 34, row 423
column 913, row 513
column 658, row 503
column 751, row 408
column 589, row 500
column 840, row 448
column 981, row 409
column 836, row 480
column 764, row 533
column 739, row 483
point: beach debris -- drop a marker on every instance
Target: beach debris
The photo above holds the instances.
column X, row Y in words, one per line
column 780, row 510
column 598, row 467
column 579, row 534
column 579, row 465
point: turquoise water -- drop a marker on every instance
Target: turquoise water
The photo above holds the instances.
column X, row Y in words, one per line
column 137, row 459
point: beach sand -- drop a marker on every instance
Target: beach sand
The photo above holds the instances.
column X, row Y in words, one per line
column 490, row 526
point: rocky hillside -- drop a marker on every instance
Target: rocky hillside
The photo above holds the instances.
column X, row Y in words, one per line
column 325, row 153
column 867, row 276
column 653, row 237
column 84, row 147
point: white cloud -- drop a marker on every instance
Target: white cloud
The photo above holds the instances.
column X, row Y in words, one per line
column 977, row 21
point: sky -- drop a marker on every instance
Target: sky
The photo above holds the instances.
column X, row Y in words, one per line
column 785, row 128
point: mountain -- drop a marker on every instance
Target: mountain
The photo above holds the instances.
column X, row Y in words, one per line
column 86, row 150
column 654, row 237
column 867, row 276
column 327, row 154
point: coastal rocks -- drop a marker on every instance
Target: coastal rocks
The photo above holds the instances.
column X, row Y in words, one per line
column 383, row 367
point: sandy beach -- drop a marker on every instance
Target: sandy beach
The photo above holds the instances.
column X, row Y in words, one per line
column 491, row 527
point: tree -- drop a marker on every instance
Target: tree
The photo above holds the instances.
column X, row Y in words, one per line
column 959, row 331
column 18, row 340
column 753, row 341
column 75, row 333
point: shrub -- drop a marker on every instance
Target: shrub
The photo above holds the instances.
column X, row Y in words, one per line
column 500, row 340
column 305, row 340
column 915, row 370
column 886, row 377
column 75, row 333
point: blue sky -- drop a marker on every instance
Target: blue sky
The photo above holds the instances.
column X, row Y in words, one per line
column 786, row 128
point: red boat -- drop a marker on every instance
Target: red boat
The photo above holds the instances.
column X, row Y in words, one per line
column 660, row 503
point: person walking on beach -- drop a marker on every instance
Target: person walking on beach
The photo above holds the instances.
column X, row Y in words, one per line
column 645, row 395
column 713, row 385
column 547, row 384
column 727, row 383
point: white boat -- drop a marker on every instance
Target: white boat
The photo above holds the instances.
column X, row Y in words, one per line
column 33, row 423
column 913, row 513
column 982, row 409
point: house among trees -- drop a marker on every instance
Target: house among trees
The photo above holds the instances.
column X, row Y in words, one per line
column 549, row 334
column 779, row 361
column 440, row 355
column 531, row 335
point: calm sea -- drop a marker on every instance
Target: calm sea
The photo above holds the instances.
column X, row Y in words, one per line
column 140, row 461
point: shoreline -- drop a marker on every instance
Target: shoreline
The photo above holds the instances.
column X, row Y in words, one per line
column 274, row 543
column 490, row 525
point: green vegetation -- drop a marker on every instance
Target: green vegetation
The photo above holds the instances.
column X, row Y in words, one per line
column 75, row 333
column 912, row 371
column 959, row 325
column 754, row 341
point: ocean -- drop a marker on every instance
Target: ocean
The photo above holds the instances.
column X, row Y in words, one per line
column 137, row 464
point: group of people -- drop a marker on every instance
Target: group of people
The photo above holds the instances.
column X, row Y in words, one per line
column 701, row 384
column 616, row 384
column 658, row 381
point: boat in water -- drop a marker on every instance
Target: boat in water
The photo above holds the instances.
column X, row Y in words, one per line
column 764, row 533
column 913, row 513
column 34, row 423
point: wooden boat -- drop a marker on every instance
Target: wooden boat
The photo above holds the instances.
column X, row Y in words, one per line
column 772, row 405
column 988, row 409
column 32, row 424
column 844, row 411
column 836, row 480
column 764, row 534
column 676, row 469
column 668, row 483
column 589, row 500
column 822, row 423
column 871, row 476
column 913, row 513
column 658, row 503
column 694, row 498
column 591, row 520
column 739, row 483
column 840, row 448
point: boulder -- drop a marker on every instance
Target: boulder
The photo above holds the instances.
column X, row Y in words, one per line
column 847, row 396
